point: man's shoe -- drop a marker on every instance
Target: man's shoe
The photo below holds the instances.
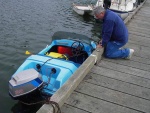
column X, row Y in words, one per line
column 130, row 54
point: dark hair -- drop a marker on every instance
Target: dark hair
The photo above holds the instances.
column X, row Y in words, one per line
column 107, row 4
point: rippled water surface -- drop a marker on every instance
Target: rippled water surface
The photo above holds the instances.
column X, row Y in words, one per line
column 28, row 25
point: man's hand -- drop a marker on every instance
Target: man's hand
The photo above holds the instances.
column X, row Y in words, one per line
column 99, row 46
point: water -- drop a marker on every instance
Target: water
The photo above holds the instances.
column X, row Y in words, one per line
column 28, row 25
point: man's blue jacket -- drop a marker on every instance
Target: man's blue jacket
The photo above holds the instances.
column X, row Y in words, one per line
column 113, row 28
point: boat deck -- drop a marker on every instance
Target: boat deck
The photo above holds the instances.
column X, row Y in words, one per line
column 118, row 86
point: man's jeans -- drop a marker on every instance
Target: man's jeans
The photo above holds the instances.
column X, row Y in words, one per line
column 114, row 50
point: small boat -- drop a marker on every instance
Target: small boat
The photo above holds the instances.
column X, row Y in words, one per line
column 44, row 73
column 122, row 14
column 83, row 10
column 117, row 7
column 120, row 5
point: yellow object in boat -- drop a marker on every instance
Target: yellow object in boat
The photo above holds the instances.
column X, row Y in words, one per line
column 57, row 55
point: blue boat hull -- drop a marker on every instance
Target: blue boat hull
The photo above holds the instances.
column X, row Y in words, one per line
column 53, row 66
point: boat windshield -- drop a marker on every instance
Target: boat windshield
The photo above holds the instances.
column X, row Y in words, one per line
column 71, row 36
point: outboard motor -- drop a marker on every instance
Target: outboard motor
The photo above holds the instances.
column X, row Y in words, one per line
column 24, row 84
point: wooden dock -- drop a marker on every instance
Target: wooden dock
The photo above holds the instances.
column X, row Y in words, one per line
column 118, row 86
column 112, row 86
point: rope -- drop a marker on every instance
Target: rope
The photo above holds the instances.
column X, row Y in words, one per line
column 55, row 105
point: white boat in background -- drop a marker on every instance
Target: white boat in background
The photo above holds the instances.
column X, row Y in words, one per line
column 122, row 14
column 120, row 5
column 83, row 9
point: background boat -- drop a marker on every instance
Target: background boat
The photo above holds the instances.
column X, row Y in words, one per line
column 120, row 5
column 88, row 9
column 83, row 9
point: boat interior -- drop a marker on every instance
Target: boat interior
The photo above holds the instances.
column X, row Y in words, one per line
column 77, row 55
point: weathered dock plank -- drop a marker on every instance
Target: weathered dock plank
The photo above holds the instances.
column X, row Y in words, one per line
column 113, row 96
column 146, row 25
column 118, row 85
column 141, row 60
column 144, row 10
column 142, row 15
column 71, row 109
column 139, row 40
column 129, row 78
column 131, row 63
column 140, row 32
column 140, row 51
column 95, row 105
column 141, row 23
column 124, row 69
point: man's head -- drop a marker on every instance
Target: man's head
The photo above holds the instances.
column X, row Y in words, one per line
column 99, row 12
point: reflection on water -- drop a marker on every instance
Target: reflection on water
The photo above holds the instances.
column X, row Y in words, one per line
column 21, row 108
column 28, row 25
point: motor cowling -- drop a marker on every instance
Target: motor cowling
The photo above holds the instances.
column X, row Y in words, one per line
column 24, row 83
